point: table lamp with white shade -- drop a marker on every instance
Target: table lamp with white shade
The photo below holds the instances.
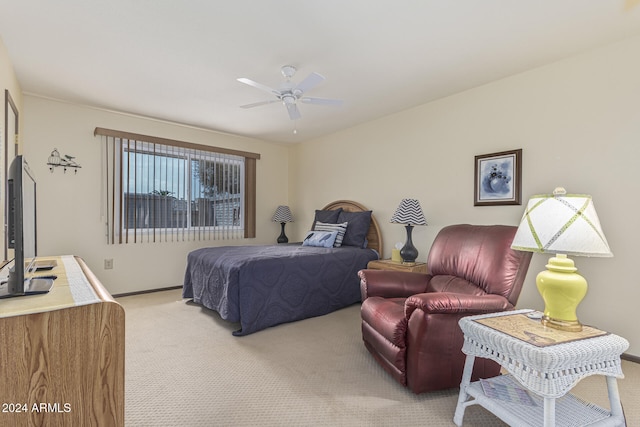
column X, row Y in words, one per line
column 561, row 224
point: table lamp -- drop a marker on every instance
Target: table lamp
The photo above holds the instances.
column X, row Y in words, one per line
column 409, row 213
column 283, row 215
column 562, row 224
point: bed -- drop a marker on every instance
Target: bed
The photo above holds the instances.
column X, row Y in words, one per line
column 265, row 285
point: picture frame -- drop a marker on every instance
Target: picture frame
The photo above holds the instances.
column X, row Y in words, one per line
column 498, row 179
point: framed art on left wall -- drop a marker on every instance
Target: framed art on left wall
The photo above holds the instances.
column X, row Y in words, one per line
column 498, row 178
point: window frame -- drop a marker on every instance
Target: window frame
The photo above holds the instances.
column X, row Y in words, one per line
column 117, row 233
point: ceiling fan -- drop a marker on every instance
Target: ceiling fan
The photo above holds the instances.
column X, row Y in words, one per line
column 289, row 93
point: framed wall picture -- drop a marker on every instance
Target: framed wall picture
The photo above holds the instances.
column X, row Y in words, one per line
column 498, row 178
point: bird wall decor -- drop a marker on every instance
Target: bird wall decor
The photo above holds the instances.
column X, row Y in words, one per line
column 65, row 162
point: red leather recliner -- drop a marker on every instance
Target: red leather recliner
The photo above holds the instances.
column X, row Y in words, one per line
column 410, row 320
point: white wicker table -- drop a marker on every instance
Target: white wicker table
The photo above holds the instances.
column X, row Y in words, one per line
column 548, row 372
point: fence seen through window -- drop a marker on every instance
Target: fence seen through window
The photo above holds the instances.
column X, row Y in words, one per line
column 159, row 189
column 181, row 191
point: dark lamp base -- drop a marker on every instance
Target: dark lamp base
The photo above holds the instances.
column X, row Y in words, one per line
column 283, row 237
column 409, row 253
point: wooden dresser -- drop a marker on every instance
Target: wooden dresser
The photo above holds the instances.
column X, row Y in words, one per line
column 62, row 353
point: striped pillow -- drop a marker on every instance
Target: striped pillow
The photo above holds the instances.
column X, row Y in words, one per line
column 340, row 228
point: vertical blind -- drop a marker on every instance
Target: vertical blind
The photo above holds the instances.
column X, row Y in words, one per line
column 162, row 190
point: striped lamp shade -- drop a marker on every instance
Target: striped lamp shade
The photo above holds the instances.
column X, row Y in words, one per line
column 283, row 214
column 409, row 212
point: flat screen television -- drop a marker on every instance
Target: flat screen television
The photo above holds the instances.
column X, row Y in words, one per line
column 22, row 232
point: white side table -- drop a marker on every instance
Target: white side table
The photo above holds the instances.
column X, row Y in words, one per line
column 549, row 372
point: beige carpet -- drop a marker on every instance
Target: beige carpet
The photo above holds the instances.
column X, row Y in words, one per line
column 184, row 368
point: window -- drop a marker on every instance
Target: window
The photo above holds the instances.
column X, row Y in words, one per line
column 164, row 190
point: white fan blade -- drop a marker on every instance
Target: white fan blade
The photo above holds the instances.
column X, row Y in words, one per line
column 310, row 82
column 258, row 85
column 294, row 113
column 257, row 104
column 321, row 101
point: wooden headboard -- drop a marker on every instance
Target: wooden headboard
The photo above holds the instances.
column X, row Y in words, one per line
column 374, row 237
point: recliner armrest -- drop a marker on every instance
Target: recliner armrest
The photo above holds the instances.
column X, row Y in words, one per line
column 448, row 302
column 392, row 284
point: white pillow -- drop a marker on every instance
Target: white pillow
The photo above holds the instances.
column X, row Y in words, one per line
column 340, row 228
column 321, row 239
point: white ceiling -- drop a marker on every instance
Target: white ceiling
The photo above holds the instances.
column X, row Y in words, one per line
column 179, row 60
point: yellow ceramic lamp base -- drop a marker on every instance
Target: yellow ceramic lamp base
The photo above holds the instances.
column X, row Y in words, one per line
column 562, row 289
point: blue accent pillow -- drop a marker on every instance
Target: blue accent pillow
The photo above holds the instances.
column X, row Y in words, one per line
column 358, row 228
column 340, row 228
column 321, row 239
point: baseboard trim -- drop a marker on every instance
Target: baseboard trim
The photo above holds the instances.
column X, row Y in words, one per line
column 630, row 358
column 128, row 294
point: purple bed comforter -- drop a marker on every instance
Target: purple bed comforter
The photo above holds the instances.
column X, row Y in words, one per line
column 262, row 286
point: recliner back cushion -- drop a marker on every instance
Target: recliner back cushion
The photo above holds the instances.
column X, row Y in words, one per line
column 468, row 252
column 457, row 285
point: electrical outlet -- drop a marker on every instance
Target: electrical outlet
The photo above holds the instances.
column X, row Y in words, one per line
column 108, row 264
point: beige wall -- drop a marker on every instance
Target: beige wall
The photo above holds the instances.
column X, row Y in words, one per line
column 578, row 123
column 9, row 81
column 70, row 205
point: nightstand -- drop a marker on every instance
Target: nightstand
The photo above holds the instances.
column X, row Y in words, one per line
column 545, row 364
column 387, row 264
